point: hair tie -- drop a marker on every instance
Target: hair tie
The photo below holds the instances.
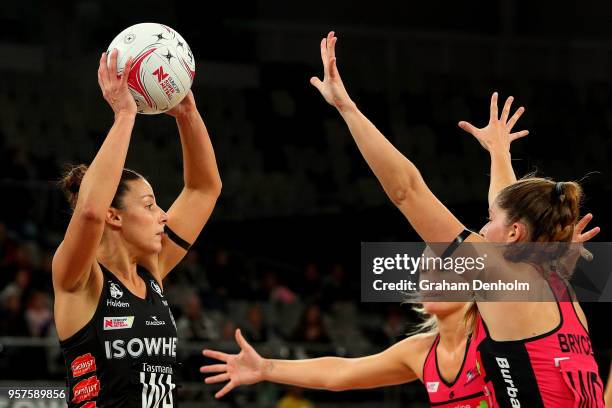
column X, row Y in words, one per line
column 559, row 191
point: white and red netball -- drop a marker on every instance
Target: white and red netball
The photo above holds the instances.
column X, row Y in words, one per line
column 163, row 65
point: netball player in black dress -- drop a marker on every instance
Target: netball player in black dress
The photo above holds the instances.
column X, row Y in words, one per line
column 116, row 330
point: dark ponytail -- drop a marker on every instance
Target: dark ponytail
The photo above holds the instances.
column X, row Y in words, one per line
column 70, row 184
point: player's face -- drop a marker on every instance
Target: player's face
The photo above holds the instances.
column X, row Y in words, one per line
column 441, row 309
column 143, row 221
column 497, row 228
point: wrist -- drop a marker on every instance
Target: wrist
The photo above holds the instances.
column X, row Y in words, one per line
column 499, row 153
column 125, row 115
column 186, row 113
column 266, row 369
column 346, row 107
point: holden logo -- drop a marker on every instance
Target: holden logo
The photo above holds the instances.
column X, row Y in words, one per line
column 156, row 288
column 115, row 291
column 129, row 38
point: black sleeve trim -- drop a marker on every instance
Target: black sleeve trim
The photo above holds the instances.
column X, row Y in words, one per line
column 457, row 241
column 176, row 239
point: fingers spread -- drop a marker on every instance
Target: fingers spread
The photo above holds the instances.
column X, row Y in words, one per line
column 216, row 355
column 316, row 82
column 518, row 135
column 515, row 118
column 217, row 378
column 590, row 234
column 584, row 221
column 493, row 114
column 228, row 387
column 506, row 110
column 213, row 368
column 240, row 339
column 468, row 127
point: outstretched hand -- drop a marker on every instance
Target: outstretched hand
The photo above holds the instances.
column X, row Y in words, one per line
column 498, row 132
column 115, row 87
column 331, row 88
column 245, row 367
column 580, row 238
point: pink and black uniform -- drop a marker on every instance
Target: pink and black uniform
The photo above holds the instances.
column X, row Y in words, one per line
column 125, row 356
column 467, row 389
column 553, row 370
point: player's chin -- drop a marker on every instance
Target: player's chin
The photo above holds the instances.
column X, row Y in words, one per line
column 157, row 247
column 154, row 247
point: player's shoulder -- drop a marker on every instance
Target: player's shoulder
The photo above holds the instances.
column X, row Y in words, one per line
column 413, row 350
column 418, row 344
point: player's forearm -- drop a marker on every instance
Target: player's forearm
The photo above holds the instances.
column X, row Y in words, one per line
column 200, row 170
column 100, row 182
column 502, row 173
column 319, row 373
column 398, row 175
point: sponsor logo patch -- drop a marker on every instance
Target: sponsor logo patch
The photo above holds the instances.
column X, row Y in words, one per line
column 115, row 290
column 86, row 389
column 117, row 323
column 116, row 303
column 136, row 347
column 83, row 364
column 155, row 322
column 471, row 375
column 433, row 386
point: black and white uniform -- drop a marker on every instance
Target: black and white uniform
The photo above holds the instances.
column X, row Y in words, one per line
column 126, row 355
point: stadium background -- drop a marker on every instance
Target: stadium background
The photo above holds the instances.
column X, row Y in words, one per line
column 279, row 258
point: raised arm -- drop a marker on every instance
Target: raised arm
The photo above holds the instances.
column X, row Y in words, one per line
column 396, row 365
column 398, row 176
column 74, row 258
column 194, row 205
column 496, row 138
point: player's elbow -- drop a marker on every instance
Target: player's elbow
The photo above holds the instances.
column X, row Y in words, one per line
column 216, row 187
column 402, row 192
column 209, row 189
column 338, row 382
column 91, row 215
column 338, row 388
column 408, row 186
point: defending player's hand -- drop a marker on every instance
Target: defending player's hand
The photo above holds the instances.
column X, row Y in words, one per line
column 580, row 238
column 331, row 88
column 245, row 367
column 184, row 107
column 115, row 87
column 580, row 226
column 497, row 135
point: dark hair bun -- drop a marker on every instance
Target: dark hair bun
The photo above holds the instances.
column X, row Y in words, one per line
column 71, row 182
